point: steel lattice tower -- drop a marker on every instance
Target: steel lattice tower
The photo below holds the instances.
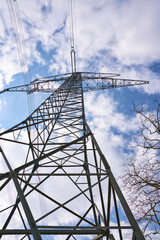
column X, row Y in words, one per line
column 61, row 181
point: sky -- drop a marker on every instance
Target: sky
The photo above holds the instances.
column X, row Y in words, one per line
column 118, row 36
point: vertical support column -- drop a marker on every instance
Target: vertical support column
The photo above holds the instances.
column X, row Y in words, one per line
column 73, row 60
column 73, row 53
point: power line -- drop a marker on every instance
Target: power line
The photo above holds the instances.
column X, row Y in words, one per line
column 21, row 47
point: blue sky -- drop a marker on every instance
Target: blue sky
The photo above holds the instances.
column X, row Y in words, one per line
column 119, row 36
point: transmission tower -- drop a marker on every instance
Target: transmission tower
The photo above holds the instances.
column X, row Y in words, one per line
column 58, row 182
column 61, row 182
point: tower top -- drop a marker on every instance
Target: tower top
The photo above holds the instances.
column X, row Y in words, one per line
column 73, row 53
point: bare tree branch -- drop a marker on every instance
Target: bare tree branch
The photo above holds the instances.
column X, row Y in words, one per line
column 141, row 177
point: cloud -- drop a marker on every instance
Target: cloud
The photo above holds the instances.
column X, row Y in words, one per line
column 37, row 28
column 104, row 110
column 125, row 35
column 137, row 38
column 128, row 28
column 125, row 30
column 112, row 128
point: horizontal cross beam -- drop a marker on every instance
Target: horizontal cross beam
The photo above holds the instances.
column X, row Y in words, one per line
column 60, row 231
column 91, row 82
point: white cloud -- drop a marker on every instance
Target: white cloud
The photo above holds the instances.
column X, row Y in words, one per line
column 125, row 33
column 109, row 126
column 104, row 110
column 38, row 26
column 127, row 30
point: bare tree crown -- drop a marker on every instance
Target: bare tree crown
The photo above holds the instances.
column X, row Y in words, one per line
column 141, row 177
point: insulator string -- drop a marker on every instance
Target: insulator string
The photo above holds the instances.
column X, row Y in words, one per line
column 71, row 20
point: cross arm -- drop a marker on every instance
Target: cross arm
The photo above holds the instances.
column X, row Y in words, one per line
column 98, row 81
column 91, row 82
column 44, row 84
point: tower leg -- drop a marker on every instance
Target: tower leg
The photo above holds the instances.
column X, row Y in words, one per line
column 23, row 200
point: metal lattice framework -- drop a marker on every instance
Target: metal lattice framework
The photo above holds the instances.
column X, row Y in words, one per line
column 58, row 182
column 91, row 82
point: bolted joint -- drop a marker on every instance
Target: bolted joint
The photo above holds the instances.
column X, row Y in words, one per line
column 12, row 174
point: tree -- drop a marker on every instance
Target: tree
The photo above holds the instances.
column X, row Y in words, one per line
column 141, row 177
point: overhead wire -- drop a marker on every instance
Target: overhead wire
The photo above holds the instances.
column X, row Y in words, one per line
column 15, row 27
column 21, row 47
column 23, row 43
